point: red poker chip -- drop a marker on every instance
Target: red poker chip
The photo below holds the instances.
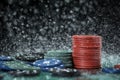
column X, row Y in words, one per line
column 86, row 57
column 91, row 71
column 86, row 50
column 117, row 66
column 86, row 54
column 86, row 47
column 87, row 38
column 78, row 50
column 98, row 65
column 87, row 67
column 86, row 41
column 91, row 62
column 85, row 44
column 86, row 63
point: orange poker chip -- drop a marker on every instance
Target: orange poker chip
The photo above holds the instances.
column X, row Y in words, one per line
column 117, row 66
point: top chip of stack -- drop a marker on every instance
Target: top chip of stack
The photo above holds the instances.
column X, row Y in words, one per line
column 86, row 51
column 47, row 64
column 64, row 55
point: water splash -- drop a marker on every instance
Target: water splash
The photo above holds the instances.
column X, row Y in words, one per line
column 42, row 25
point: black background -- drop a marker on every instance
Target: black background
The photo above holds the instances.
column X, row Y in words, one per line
column 42, row 25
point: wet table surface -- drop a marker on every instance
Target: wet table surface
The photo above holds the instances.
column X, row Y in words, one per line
column 48, row 76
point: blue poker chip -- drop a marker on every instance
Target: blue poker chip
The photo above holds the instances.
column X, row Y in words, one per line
column 4, row 67
column 5, row 58
column 47, row 63
column 47, row 69
column 111, row 70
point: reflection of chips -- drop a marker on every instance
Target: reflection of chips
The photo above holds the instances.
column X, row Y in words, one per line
column 65, row 72
column 84, row 79
column 1, row 77
column 20, row 73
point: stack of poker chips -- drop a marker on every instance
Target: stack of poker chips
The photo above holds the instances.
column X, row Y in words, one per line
column 47, row 64
column 86, row 51
column 64, row 55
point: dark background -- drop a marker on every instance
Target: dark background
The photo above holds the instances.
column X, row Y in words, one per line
column 42, row 25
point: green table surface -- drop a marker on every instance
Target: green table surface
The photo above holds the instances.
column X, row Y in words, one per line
column 48, row 76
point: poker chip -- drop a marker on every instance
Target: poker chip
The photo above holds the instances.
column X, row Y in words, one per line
column 117, row 66
column 30, row 57
column 60, row 58
column 5, row 58
column 86, row 51
column 19, row 73
column 87, row 38
column 111, row 70
column 60, row 52
column 19, row 65
column 5, row 68
column 65, row 72
column 47, row 69
column 47, row 63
